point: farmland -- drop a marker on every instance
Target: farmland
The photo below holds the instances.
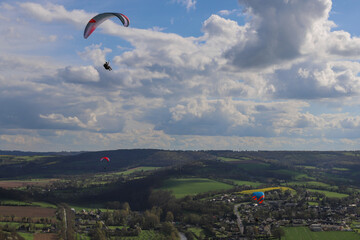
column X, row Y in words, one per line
column 137, row 169
column 45, row 236
column 303, row 233
column 27, row 211
column 7, row 184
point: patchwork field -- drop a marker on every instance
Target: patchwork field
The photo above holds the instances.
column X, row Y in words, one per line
column 304, row 233
column 182, row 187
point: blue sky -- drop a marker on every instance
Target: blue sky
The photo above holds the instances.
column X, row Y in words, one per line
column 187, row 74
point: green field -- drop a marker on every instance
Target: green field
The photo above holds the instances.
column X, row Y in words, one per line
column 303, row 176
column 225, row 159
column 21, row 203
column 115, row 227
column 82, row 237
column 12, row 159
column 313, row 203
column 307, row 167
column 197, row 231
column 18, row 224
column 11, row 224
column 145, row 235
column 355, row 226
column 14, row 202
column 304, row 233
column 329, row 194
column 27, row 236
column 309, row 184
column 127, row 172
column 251, row 184
column 138, row 169
column 191, row 186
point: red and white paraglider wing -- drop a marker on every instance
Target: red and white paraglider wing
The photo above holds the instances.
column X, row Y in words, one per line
column 100, row 18
column 105, row 158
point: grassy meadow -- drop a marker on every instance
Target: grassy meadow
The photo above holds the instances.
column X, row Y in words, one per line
column 27, row 236
column 304, row 233
column 138, row 169
column 330, row 194
column 145, row 235
column 309, row 183
column 225, row 159
column 182, row 187
column 9, row 202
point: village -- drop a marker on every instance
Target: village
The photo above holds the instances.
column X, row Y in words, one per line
column 248, row 219
column 255, row 219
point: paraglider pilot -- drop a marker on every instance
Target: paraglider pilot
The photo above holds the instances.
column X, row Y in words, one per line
column 107, row 66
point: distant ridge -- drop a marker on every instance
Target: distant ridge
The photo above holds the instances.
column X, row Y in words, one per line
column 29, row 153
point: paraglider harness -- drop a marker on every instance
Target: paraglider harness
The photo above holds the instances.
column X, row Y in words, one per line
column 107, row 66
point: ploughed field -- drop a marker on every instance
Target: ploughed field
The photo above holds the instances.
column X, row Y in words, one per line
column 27, row 211
column 45, row 236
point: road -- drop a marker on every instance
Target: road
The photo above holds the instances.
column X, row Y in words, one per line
column 65, row 222
column 239, row 222
column 182, row 236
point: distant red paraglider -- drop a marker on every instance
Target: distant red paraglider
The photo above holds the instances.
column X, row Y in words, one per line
column 105, row 158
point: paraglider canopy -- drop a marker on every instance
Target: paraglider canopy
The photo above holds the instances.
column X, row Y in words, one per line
column 105, row 158
column 100, row 18
column 258, row 196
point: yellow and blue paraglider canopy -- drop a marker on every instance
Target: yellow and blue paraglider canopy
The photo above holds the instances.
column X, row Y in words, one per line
column 258, row 196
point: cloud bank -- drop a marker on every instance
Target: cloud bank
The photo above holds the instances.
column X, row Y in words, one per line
column 283, row 80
